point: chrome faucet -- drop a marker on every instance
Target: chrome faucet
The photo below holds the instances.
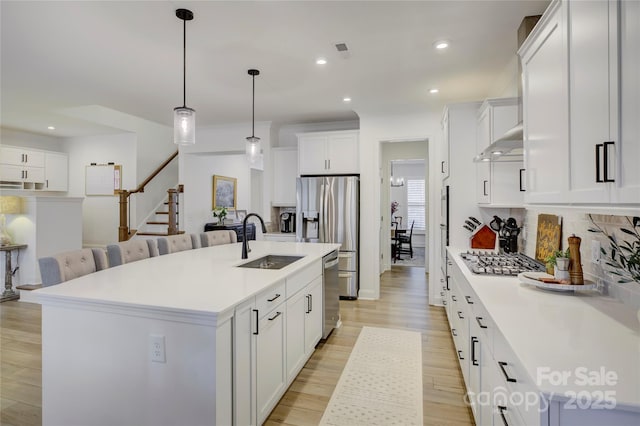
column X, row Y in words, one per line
column 245, row 243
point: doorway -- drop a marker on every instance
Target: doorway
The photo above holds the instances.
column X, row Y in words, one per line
column 403, row 203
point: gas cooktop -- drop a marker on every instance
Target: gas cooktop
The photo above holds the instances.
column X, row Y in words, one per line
column 491, row 263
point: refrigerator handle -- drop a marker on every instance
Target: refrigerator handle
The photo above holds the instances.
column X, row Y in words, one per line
column 323, row 213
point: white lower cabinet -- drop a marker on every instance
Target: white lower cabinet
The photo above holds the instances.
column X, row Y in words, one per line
column 274, row 334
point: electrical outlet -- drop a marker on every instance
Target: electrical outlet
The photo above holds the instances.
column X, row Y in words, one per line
column 157, row 348
column 595, row 251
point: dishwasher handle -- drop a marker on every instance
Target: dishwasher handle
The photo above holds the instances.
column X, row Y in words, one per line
column 331, row 263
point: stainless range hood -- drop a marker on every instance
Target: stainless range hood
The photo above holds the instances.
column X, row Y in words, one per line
column 509, row 147
column 506, row 148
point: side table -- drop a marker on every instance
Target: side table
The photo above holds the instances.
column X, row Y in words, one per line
column 9, row 293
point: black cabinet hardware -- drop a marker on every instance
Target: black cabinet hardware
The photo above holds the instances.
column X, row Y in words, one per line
column 522, row 180
column 605, row 149
column 478, row 319
column 468, row 298
column 474, row 340
column 460, row 315
column 275, row 316
column 460, row 355
column 273, row 298
column 257, row 321
column 502, row 364
column 501, row 410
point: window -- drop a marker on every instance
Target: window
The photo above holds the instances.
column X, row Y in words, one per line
column 415, row 203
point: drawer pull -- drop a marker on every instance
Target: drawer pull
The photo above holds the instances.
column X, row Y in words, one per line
column 275, row 316
column 460, row 315
column 454, row 298
column 460, row 355
column 468, row 298
column 257, row 321
column 479, row 321
column 307, row 310
column 501, row 410
column 444, row 302
column 474, row 340
column 273, row 298
column 310, row 302
column 502, row 364
column 442, row 293
column 453, row 331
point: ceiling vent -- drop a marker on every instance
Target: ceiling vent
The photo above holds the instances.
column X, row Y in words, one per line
column 343, row 50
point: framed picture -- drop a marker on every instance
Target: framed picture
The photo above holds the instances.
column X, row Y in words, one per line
column 224, row 192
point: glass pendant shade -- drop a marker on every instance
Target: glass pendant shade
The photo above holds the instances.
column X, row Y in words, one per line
column 184, row 126
column 253, row 149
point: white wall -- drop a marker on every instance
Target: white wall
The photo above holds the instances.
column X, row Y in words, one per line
column 375, row 129
column 31, row 140
column 219, row 150
column 100, row 214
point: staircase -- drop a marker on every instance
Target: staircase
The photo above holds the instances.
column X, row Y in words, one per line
column 159, row 227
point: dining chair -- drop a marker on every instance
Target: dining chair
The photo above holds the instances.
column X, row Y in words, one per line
column 403, row 240
column 71, row 264
column 395, row 242
column 216, row 238
column 131, row 251
column 176, row 243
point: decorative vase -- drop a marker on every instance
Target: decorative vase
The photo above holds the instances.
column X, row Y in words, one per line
column 561, row 268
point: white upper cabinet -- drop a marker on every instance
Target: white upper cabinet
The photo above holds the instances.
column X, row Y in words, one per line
column 285, row 172
column 498, row 184
column 627, row 153
column 593, row 98
column 581, row 75
column 328, row 153
column 21, row 156
column 546, row 108
column 446, row 143
column 56, row 171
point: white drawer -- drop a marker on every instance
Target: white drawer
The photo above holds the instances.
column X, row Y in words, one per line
column 270, row 298
column 300, row 279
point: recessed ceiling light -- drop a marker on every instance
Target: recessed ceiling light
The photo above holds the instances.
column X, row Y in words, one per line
column 433, row 91
column 346, row 99
column 51, row 128
column 485, row 159
column 441, row 44
column 497, row 152
column 321, row 61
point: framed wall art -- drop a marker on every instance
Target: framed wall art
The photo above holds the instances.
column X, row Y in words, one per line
column 224, row 192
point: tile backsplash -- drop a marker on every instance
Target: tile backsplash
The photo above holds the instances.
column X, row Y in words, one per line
column 577, row 222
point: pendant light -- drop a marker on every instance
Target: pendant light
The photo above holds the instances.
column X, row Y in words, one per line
column 395, row 182
column 184, row 118
column 253, row 145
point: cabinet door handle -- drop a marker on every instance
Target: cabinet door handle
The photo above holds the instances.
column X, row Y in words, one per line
column 442, row 167
column 273, row 298
column 26, row 174
column 329, row 160
column 474, row 340
column 484, row 187
column 502, row 364
column 468, row 299
column 257, row 322
column 522, row 180
column 310, row 302
column 26, row 158
column 275, row 316
column 448, row 283
column 460, row 355
column 442, row 293
column 605, row 149
column 47, row 183
column 453, row 331
column 501, row 410
column 444, row 302
column 453, row 297
column 598, row 147
column 478, row 319
column 306, row 310
column 460, row 315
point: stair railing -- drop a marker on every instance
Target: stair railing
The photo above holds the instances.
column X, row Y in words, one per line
column 124, row 233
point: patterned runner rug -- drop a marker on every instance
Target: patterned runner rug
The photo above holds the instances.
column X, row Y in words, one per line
column 381, row 383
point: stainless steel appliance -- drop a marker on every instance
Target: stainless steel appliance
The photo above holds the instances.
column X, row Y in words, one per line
column 327, row 211
column 490, row 263
column 287, row 222
column 331, row 295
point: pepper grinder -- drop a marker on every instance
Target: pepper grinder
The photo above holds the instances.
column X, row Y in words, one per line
column 575, row 266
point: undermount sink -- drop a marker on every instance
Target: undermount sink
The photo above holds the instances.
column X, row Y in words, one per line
column 271, row 261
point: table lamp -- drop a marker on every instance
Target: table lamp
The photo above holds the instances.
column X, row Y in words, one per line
column 9, row 204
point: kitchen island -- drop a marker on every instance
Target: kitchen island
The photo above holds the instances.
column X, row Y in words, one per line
column 187, row 338
column 538, row 357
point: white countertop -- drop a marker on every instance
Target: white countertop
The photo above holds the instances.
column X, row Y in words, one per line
column 203, row 280
column 564, row 331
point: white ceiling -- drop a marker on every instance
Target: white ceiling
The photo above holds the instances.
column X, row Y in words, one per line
column 127, row 56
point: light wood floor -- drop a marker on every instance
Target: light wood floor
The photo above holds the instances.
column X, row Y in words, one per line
column 403, row 304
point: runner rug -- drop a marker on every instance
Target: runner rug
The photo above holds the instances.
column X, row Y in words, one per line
column 381, row 383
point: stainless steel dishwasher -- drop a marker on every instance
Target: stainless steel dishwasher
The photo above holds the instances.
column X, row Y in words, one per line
column 331, row 296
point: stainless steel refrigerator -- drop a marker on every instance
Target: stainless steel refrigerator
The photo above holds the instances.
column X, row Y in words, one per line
column 327, row 210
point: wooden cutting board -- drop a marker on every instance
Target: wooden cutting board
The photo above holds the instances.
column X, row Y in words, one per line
column 484, row 238
column 549, row 236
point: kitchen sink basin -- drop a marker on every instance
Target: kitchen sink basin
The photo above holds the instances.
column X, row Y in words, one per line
column 271, row 261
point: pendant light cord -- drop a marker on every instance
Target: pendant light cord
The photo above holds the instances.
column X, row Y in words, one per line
column 253, row 107
column 184, row 63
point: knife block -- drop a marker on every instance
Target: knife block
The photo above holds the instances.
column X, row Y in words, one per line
column 484, row 238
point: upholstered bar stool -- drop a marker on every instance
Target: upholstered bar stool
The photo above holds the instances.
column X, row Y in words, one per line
column 131, row 251
column 216, row 238
column 72, row 264
column 176, row 243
